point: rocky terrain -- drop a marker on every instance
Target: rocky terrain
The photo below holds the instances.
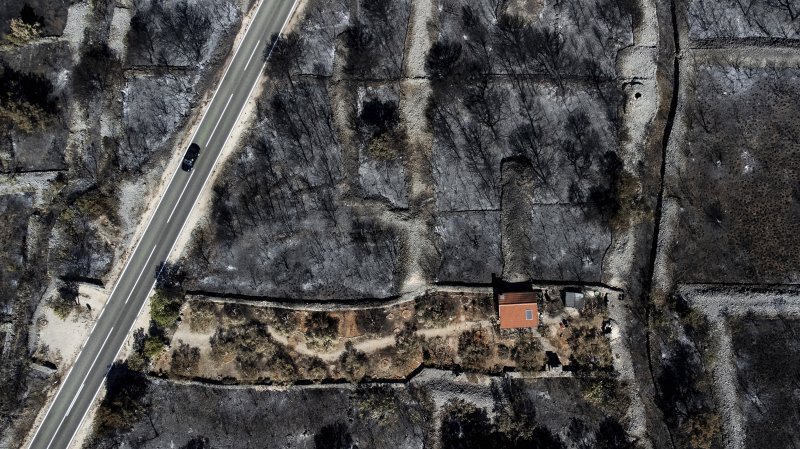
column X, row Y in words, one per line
column 402, row 164
column 89, row 123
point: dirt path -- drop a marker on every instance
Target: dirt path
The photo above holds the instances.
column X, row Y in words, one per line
column 330, row 306
column 718, row 301
column 718, row 304
column 375, row 344
column 419, row 39
column 637, row 65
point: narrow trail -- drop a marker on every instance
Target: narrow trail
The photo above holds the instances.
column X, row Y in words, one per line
column 719, row 304
column 668, row 127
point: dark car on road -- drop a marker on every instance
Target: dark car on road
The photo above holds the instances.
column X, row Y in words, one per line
column 191, row 156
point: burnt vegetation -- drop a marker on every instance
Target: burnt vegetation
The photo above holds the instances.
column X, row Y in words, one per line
column 299, row 208
column 280, row 208
column 518, row 423
column 375, row 40
column 713, row 21
column 509, row 88
column 768, row 401
column 376, row 415
column 27, row 100
column 287, row 181
column 77, row 127
column 174, row 34
column 733, row 178
column 49, row 16
column 507, row 98
column 124, row 401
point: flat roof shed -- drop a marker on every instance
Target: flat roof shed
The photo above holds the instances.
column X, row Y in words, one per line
column 518, row 310
column 574, row 300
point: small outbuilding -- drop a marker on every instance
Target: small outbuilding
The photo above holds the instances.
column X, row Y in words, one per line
column 519, row 310
column 574, row 300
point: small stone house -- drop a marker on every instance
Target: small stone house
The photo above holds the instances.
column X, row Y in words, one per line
column 519, row 310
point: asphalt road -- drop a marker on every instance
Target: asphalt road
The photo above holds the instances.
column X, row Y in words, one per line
column 83, row 382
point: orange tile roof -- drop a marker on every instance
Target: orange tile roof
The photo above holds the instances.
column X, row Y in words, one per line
column 518, row 310
column 518, row 297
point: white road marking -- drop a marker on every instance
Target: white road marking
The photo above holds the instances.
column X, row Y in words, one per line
column 76, row 396
column 139, row 313
column 94, row 398
column 238, row 116
column 140, row 274
column 251, row 55
column 180, row 196
column 186, row 220
column 222, row 114
column 291, row 11
column 149, row 221
column 124, row 269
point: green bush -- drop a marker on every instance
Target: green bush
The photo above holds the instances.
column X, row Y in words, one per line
column 315, row 368
column 353, row 363
column 436, row 310
column 283, row 320
column 258, row 356
column 591, row 350
column 185, row 359
column 528, row 354
column 99, row 203
column 474, row 350
column 372, row 321
column 606, row 393
column 703, row 430
column 322, row 330
column 153, row 347
column 165, row 309
column 66, row 301
column 203, row 314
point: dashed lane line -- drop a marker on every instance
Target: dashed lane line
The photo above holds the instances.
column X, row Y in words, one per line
column 84, row 381
column 180, row 196
column 251, row 55
column 133, row 288
column 222, row 114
